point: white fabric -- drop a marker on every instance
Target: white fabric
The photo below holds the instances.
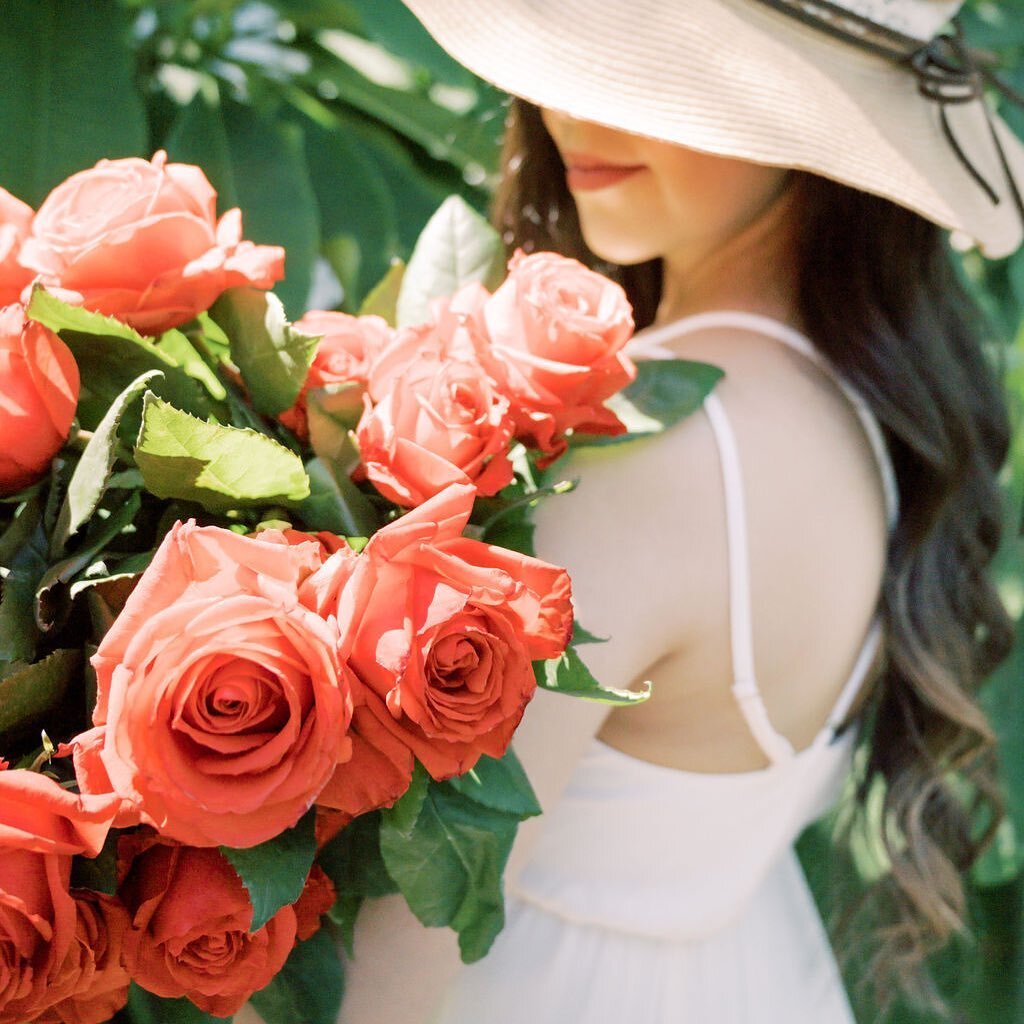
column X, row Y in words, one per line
column 659, row 896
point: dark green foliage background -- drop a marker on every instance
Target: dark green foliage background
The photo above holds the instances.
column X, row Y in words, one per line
column 338, row 127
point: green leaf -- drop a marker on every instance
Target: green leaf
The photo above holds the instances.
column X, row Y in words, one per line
column 219, row 467
column 568, row 674
column 352, row 859
column 583, row 636
column 65, row 113
column 51, row 597
column 343, row 915
column 308, row 989
column 456, row 248
column 97, row 873
column 332, row 413
column 449, row 867
column 59, row 316
column 145, row 1008
column 275, row 872
column 499, row 784
column 405, row 812
column 273, row 357
column 336, row 504
column 383, row 298
column 110, row 569
column 110, row 356
column 89, row 480
column 183, row 352
column 18, row 630
column 665, row 391
column 411, row 114
column 28, row 694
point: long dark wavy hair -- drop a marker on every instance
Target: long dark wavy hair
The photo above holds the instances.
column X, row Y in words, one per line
column 881, row 299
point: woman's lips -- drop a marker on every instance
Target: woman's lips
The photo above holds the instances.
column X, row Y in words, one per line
column 585, row 174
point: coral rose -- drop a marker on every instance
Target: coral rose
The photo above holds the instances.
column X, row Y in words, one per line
column 376, row 775
column 15, row 222
column 191, row 915
column 38, row 396
column 140, row 240
column 348, row 345
column 42, row 826
column 224, row 705
column 434, row 417
column 444, row 629
column 557, row 330
column 95, row 964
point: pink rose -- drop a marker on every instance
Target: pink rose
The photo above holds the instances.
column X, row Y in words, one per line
column 42, row 826
column 433, row 417
column 191, row 916
column 557, row 330
column 444, row 629
column 348, row 346
column 223, row 702
column 38, row 397
column 140, row 240
column 15, row 221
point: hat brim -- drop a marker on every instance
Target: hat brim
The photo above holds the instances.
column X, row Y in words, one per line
column 740, row 79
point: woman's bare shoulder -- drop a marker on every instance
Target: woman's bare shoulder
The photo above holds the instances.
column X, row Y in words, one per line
column 644, row 534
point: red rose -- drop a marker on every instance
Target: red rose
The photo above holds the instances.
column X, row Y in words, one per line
column 557, row 330
column 190, row 916
column 38, row 396
column 348, row 346
column 433, row 418
column 224, row 704
column 317, row 897
column 15, row 221
column 42, row 826
column 140, row 240
column 443, row 630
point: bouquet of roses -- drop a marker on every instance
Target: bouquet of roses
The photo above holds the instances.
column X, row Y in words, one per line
column 268, row 596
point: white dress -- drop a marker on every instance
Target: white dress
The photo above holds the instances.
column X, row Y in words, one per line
column 659, row 896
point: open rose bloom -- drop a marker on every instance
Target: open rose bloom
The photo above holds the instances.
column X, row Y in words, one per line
column 140, row 240
column 270, row 589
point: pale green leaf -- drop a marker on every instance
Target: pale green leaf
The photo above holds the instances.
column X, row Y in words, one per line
column 383, row 298
column 89, row 480
column 273, row 357
column 457, row 247
column 219, row 467
column 568, row 674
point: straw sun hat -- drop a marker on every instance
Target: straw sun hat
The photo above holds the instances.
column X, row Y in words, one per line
column 867, row 92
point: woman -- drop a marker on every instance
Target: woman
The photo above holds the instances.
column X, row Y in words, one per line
column 769, row 180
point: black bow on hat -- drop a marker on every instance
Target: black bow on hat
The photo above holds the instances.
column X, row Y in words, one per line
column 948, row 72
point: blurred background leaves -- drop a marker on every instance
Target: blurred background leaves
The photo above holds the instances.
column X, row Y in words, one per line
column 338, row 127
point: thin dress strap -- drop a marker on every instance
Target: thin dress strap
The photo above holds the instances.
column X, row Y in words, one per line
column 650, row 344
